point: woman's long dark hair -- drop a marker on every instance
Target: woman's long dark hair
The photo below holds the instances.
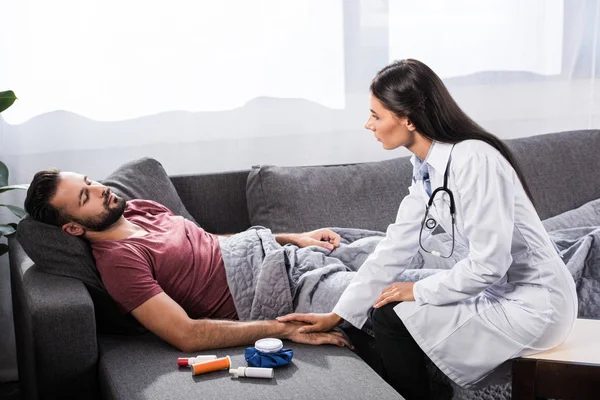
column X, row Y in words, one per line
column 410, row 89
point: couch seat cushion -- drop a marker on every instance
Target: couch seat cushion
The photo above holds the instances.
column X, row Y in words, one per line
column 145, row 367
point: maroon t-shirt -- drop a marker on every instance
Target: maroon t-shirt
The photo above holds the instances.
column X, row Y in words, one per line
column 175, row 256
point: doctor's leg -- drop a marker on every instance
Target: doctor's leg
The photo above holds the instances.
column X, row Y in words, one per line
column 403, row 359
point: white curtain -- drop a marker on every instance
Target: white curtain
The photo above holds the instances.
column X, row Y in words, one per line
column 466, row 37
column 111, row 60
column 223, row 85
column 213, row 86
column 519, row 68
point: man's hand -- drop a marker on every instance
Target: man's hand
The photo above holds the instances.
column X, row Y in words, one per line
column 315, row 338
column 316, row 322
column 333, row 337
column 321, row 237
column 399, row 291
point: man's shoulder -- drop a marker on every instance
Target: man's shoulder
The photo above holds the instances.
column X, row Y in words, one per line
column 113, row 248
column 109, row 255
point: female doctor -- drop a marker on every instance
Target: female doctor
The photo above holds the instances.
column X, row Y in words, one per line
column 511, row 296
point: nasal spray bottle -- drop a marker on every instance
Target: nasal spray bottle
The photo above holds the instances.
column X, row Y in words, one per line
column 251, row 372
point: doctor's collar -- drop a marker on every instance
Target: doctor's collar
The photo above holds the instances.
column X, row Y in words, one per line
column 428, row 153
column 438, row 154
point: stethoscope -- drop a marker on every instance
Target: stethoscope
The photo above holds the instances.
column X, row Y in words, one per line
column 430, row 222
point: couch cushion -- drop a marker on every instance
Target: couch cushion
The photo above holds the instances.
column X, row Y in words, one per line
column 561, row 169
column 363, row 196
column 216, row 200
column 57, row 253
column 586, row 215
column 145, row 367
column 147, row 179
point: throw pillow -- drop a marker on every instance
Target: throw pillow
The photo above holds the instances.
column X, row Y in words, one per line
column 366, row 196
column 147, row 179
column 58, row 253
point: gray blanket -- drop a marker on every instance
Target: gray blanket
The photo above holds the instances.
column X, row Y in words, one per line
column 580, row 249
column 268, row 280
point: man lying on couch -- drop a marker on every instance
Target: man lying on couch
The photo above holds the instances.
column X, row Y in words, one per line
column 162, row 268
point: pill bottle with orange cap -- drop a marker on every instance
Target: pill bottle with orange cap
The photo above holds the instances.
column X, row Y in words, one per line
column 210, row 366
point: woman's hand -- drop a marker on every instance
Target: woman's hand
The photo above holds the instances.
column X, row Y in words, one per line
column 316, row 322
column 320, row 237
column 399, row 291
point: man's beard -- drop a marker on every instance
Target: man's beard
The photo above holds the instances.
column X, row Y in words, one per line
column 108, row 217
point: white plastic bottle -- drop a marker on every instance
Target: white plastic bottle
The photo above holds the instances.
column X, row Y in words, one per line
column 252, row 372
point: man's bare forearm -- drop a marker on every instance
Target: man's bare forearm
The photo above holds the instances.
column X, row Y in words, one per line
column 286, row 238
column 282, row 238
column 206, row 334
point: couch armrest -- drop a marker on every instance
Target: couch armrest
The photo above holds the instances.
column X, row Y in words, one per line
column 55, row 332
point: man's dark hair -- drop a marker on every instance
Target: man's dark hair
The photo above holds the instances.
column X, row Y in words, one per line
column 41, row 190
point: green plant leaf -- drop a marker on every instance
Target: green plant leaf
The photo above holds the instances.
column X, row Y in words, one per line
column 6, row 230
column 18, row 211
column 3, row 174
column 3, row 248
column 7, row 99
column 14, row 187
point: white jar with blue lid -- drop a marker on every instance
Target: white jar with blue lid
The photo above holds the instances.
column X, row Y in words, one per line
column 268, row 345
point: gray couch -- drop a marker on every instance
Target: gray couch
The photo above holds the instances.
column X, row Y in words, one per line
column 63, row 354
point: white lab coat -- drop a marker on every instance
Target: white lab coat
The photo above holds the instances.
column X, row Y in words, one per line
column 511, row 296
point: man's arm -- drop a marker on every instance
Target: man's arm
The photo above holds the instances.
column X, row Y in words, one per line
column 321, row 237
column 164, row 317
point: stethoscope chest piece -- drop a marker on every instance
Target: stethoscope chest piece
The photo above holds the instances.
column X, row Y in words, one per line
column 430, row 223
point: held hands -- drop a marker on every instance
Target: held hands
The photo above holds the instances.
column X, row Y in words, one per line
column 318, row 330
column 316, row 322
column 399, row 291
column 315, row 338
column 321, row 237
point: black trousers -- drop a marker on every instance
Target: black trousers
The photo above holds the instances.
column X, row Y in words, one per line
column 402, row 358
